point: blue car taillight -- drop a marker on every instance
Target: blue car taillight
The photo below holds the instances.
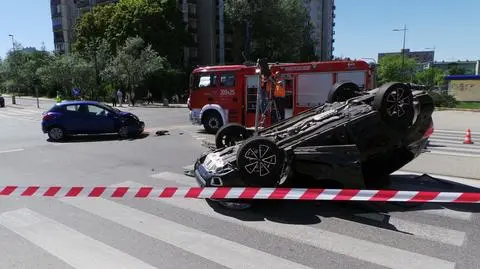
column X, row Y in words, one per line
column 48, row 116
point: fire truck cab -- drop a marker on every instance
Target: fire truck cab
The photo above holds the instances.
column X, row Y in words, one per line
column 226, row 94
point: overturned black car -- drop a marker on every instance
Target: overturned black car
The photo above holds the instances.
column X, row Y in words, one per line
column 357, row 139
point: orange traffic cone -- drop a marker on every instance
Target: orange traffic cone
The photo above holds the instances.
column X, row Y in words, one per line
column 468, row 138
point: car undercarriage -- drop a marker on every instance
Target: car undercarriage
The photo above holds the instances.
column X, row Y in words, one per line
column 356, row 139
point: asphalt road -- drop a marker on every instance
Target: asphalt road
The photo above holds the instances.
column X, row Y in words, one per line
column 180, row 233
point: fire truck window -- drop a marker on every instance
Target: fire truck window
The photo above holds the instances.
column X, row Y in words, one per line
column 227, row 80
column 207, row 81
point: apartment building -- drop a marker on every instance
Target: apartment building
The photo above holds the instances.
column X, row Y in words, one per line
column 64, row 17
column 212, row 40
column 322, row 17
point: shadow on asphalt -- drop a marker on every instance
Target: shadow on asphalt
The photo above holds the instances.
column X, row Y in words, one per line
column 99, row 138
column 369, row 213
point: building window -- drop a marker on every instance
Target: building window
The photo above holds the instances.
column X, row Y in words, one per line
column 60, row 46
column 192, row 23
column 192, row 9
column 193, row 52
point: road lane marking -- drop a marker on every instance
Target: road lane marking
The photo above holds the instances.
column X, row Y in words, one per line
column 450, row 153
column 73, row 247
column 341, row 244
column 177, row 178
column 467, row 181
column 10, row 150
column 216, row 249
column 420, row 230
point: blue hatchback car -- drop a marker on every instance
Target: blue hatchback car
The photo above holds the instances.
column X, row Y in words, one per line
column 89, row 117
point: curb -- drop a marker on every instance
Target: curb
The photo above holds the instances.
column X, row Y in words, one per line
column 30, row 98
column 53, row 100
column 457, row 109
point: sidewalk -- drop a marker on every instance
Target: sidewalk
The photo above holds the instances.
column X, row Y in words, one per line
column 8, row 99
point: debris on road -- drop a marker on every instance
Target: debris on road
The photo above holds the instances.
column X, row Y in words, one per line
column 162, row 132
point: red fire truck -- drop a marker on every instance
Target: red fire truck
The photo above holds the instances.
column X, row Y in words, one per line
column 225, row 94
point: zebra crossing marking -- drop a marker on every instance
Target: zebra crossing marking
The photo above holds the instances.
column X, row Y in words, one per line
column 63, row 242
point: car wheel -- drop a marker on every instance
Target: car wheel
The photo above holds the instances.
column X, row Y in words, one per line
column 260, row 162
column 229, row 134
column 342, row 91
column 123, row 132
column 56, row 133
column 237, row 205
column 212, row 121
column 394, row 101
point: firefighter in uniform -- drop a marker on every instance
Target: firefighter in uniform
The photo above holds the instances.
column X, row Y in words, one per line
column 279, row 97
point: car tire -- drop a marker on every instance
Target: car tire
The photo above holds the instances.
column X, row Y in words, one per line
column 342, row 91
column 394, row 101
column 212, row 121
column 56, row 133
column 260, row 162
column 123, row 132
column 229, row 134
column 230, row 204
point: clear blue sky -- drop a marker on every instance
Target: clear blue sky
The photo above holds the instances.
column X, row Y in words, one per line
column 363, row 28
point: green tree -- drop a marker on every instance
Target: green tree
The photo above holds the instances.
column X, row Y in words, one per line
column 133, row 64
column 390, row 69
column 278, row 29
column 18, row 70
column 66, row 72
column 159, row 22
column 431, row 77
column 454, row 69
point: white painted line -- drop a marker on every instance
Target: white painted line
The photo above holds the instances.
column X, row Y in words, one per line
column 467, row 181
column 420, row 230
column 360, row 249
column 458, row 142
column 455, row 149
column 216, row 249
column 448, row 213
column 450, row 153
column 177, row 178
column 451, row 131
column 10, row 150
column 74, row 248
column 188, row 167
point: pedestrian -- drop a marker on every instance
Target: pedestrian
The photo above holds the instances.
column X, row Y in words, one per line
column 114, row 99
column 132, row 98
column 149, row 97
column 120, row 97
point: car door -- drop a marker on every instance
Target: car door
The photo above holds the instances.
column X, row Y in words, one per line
column 101, row 120
column 74, row 120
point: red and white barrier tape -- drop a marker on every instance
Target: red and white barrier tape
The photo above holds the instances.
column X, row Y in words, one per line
column 244, row 193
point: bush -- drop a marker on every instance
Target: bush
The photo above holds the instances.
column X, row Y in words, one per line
column 443, row 99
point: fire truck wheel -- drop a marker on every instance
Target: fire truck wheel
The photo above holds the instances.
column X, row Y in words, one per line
column 342, row 91
column 260, row 162
column 394, row 101
column 212, row 121
column 229, row 134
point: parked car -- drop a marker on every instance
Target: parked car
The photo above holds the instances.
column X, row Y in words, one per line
column 89, row 117
column 2, row 101
column 356, row 137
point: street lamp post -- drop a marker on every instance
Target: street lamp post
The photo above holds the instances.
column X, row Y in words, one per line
column 404, row 29
column 95, row 60
column 15, row 68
